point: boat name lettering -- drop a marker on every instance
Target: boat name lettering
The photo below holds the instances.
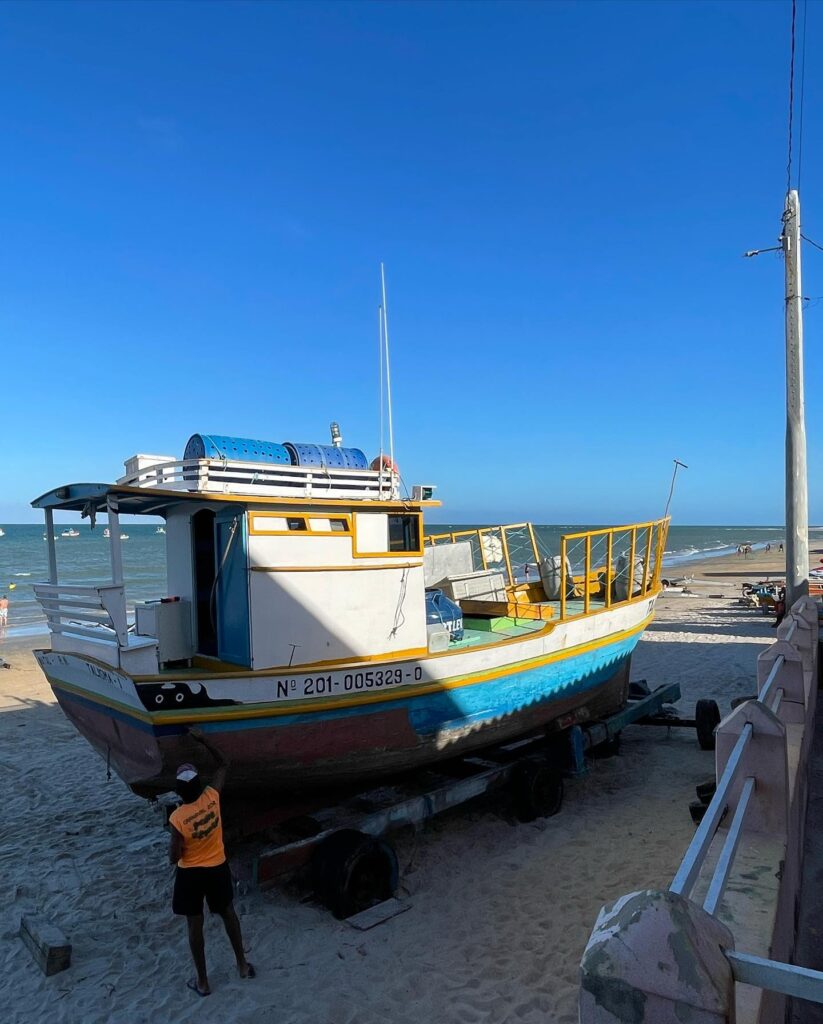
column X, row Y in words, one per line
column 347, row 682
column 101, row 673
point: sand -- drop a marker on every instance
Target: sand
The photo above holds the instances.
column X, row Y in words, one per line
column 500, row 912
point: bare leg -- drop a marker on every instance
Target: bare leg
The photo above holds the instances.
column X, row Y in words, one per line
column 232, row 923
column 198, row 952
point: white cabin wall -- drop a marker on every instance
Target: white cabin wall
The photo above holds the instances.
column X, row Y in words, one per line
column 334, row 615
column 179, row 572
column 314, row 592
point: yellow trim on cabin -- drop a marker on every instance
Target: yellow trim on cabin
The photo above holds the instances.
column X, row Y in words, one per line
column 333, row 568
column 308, row 516
column 216, row 498
column 389, row 554
column 203, row 661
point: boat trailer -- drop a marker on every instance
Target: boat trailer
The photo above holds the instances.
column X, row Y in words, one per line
column 350, row 863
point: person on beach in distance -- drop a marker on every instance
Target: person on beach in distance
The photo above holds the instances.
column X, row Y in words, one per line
column 4, row 613
column 202, row 870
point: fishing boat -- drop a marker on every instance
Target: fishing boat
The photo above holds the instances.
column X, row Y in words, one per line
column 2, row 532
column 301, row 631
column 160, row 529
column 106, row 533
column 70, row 533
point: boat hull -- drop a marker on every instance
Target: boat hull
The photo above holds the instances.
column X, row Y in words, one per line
column 448, row 707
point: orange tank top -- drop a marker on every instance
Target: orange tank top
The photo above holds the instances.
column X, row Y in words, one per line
column 202, row 830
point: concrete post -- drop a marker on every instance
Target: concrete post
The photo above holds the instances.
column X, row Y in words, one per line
column 656, row 958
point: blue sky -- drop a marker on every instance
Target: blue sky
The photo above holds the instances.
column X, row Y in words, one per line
column 196, row 199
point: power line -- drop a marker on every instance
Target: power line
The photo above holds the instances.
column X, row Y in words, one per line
column 791, row 101
column 811, row 241
column 802, row 93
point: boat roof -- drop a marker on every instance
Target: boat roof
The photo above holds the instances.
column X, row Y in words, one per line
column 87, row 497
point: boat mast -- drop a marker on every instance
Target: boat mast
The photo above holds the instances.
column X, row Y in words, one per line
column 797, row 489
column 388, row 365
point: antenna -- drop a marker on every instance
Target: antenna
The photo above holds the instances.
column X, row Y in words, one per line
column 677, row 465
column 388, row 365
column 382, row 399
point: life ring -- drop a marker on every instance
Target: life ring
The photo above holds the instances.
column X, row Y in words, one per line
column 384, row 462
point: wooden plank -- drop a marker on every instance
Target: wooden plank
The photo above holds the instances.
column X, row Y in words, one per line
column 377, row 914
column 46, row 943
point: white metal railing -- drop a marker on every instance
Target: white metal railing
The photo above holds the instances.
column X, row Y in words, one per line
column 94, row 612
column 228, row 476
column 689, row 870
column 764, row 790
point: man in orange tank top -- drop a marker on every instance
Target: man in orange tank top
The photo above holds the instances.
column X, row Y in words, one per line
column 202, row 870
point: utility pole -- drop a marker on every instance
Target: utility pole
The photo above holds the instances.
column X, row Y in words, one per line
column 797, row 489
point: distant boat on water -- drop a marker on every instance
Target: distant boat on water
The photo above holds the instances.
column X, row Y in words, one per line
column 70, row 533
column 3, row 532
column 160, row 529
column 107, row 534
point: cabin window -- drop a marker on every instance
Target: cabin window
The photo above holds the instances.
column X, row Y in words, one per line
column 404, row 533
column 296, row 523
column 338, row 526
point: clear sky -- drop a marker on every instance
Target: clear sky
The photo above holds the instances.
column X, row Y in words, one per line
column 196, row 198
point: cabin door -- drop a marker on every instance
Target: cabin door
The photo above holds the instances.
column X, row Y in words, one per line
column 232, row 588
column 204, row 570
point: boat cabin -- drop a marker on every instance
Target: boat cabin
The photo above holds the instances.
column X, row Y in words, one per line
column 294, row 555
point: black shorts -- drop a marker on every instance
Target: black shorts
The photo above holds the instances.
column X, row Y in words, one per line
column 192, row 884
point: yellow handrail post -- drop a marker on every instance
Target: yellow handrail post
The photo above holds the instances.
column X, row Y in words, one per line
column 506, row 555
column 662, row 531
column 562, row 578
column 534, row 546
column 609, row 539
column 647, row 560
column 482, row 550
column 633, row 549
column 451, row 537
column 587, row 568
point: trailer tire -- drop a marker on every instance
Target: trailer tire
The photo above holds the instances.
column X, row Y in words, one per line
column 707, row 718
column 352, row 871
column 537, row 790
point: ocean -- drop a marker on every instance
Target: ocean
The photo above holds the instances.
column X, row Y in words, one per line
column 85, row 559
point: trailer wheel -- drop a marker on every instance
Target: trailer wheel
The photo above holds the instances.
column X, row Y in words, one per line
column 537, row 790
column 707, row 718
column 352, row 871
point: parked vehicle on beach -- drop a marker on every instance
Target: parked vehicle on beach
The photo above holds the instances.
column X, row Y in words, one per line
column 296, row 633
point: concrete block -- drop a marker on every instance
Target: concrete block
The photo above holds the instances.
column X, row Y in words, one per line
column 46, row 943
column 656, row 958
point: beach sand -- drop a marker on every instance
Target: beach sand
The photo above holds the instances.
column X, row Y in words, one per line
column 500, row 912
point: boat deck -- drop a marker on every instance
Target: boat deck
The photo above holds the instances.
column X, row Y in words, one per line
column 477, row 632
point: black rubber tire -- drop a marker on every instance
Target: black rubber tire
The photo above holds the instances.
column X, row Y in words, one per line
column 707, row 718
column 706, row 790
column 537, row 789
column 352, row 871
column 697, row 810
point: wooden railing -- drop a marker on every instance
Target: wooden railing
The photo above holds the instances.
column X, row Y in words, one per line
column 93, row 612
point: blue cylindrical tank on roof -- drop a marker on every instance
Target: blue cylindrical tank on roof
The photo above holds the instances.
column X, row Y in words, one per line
column 238, row 449
column 326, row 455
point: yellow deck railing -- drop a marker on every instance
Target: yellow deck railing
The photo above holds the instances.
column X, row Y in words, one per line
column 598, row 568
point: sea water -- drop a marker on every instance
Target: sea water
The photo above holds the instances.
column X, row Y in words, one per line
column 86, row 559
